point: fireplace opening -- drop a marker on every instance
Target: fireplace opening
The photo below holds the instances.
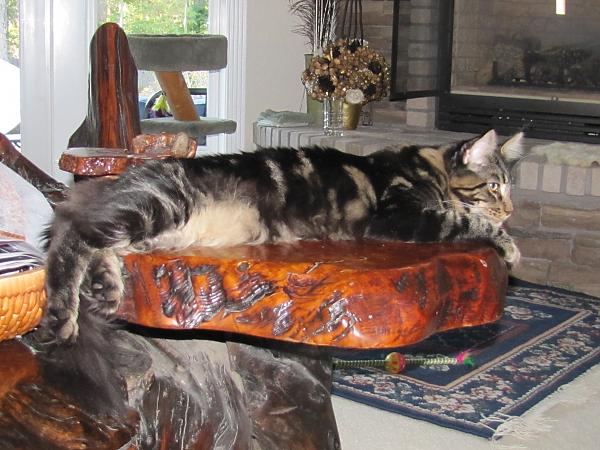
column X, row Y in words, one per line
column 530, row 65
column 525, row 49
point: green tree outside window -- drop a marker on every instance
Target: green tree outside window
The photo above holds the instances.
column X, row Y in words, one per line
column 159, row 16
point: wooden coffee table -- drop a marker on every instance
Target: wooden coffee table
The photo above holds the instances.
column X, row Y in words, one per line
column 348, row 294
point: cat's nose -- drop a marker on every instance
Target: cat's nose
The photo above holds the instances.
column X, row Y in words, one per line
column 508, row 207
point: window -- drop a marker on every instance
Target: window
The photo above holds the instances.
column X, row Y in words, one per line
column 161, row 17
column 54, row 50
column 10, row 115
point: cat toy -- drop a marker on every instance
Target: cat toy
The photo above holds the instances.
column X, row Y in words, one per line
column 396, row 362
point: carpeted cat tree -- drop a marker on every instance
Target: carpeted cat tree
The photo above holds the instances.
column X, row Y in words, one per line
column 168, row 56
column 112, row 137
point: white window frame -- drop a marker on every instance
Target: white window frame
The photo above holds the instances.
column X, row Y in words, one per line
column 227, row 87
column 54, row 60
column 54, row 69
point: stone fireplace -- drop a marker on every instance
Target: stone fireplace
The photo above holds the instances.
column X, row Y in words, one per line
column 470, row 65
column 556, row 188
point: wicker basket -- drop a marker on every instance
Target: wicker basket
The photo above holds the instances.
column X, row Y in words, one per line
column 22, row 300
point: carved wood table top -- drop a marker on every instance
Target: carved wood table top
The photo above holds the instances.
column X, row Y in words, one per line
column 351, row 294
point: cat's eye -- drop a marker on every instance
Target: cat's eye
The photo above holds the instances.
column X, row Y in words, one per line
column 494, row 187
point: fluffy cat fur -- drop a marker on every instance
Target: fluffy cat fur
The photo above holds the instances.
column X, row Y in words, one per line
column 451, row 193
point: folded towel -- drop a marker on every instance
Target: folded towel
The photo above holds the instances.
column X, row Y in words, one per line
column 270, row 118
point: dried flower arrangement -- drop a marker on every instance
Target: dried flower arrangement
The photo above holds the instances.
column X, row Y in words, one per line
column 347, row 69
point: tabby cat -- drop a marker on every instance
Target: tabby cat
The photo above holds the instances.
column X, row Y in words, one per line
column 450, row 193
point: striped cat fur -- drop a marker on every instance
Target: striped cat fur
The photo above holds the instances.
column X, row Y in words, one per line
column 414, row 193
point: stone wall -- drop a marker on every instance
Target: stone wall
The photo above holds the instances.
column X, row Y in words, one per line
column 417, row 61
column 556, row 223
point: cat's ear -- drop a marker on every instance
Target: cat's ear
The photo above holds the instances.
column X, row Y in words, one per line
column 512, row 150
column 477, row 152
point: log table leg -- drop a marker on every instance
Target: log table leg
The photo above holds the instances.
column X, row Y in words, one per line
column 288, row 397
column 39, row 409
column 189, row 394
column 202, row 394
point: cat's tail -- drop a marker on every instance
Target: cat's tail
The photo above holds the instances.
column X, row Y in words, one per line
column 87, row 368
column 80, row 346
column 79, row 238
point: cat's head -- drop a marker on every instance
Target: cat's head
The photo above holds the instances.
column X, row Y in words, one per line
column 479, row 171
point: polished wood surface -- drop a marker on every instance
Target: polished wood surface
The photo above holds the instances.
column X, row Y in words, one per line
column 37, row 412
column 96, row 162
column 365, row 294
column 113, row 118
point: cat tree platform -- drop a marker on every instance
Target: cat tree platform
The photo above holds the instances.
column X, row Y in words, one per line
column 206, row 126
column 166, row 53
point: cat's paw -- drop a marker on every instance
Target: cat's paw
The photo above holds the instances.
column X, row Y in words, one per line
column 58, row 325
column 106, row 284
column 508, row 249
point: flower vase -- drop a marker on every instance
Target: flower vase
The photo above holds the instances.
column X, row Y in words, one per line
column 351, row 115
column 314, row 108
column 333, row 116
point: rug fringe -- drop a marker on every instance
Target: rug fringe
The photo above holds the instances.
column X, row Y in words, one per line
column 536, row 422
column 518, row 427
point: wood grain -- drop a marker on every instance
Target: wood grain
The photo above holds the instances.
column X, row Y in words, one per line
column 37, row 413
column 113, row 118
column 53, row 191
column 353, row 294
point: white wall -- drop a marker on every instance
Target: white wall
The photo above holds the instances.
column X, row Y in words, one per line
column 275, row 60
column 54, row 62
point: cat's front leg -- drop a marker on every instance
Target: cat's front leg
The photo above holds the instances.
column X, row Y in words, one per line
column 507, row 247
column 461, row 226
column 443, row 225
column 66, row 264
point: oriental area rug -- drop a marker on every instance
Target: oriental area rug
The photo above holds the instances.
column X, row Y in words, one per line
column 546, row 338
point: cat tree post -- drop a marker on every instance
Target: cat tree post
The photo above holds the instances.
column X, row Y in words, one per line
column 178, row 96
